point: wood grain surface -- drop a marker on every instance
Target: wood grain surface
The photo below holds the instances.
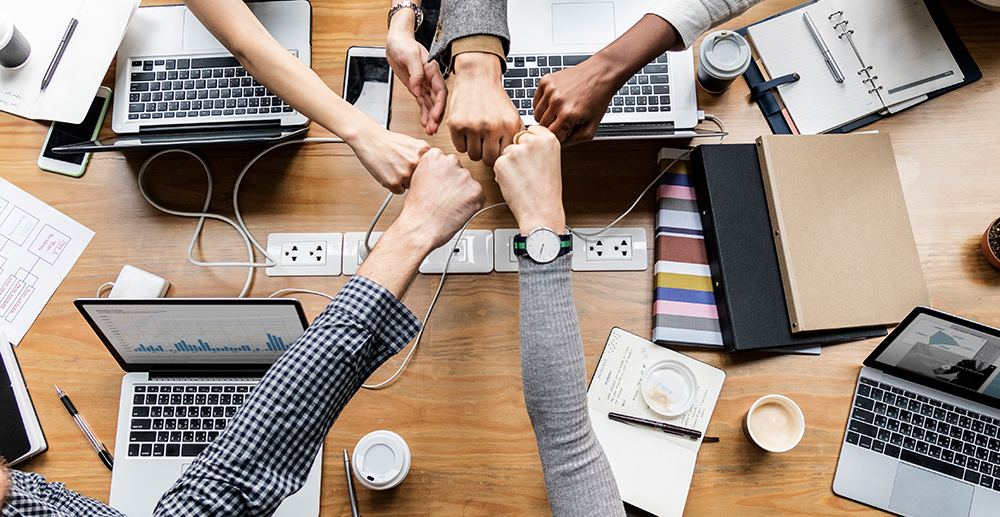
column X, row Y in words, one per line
column 459, row 403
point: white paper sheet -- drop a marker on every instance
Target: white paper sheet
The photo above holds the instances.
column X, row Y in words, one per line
column 38, row 246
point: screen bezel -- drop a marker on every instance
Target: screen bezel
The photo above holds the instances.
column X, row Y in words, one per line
column 872, row 359
column 83, row 305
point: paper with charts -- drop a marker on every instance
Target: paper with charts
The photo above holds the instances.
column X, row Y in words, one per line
column 38, row 246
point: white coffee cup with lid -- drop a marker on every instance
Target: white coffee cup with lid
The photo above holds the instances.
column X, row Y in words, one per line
column 723, row 56
column 774, row 423
column 381, row 460
column 14, row 47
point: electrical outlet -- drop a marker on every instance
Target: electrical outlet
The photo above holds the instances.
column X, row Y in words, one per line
column 473, row 253
column 607, row 249
column 504, row 260
column 617, row 249
column 353, row 256
column 305, row 254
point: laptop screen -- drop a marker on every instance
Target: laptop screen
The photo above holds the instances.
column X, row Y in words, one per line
column 945, row 352
column 194, row 334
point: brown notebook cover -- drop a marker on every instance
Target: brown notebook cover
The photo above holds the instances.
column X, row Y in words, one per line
column 842, row 233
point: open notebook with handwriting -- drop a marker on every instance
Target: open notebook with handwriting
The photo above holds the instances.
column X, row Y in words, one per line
column 891, row 52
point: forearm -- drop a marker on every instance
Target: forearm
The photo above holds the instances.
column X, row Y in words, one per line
column 235, row 26
column 650, row 37
column 578, row 477
column 265, row 453
column 691, row 18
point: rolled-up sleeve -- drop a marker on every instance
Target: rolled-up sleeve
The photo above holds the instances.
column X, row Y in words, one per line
column 692, row 18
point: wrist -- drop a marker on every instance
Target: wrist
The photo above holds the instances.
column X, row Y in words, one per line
column 402, row 23
column 479, row 66
column 555, row 220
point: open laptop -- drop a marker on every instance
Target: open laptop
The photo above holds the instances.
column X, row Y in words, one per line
column 177, row 86
column 922, row 439
column 549, row 35
column 191, row 363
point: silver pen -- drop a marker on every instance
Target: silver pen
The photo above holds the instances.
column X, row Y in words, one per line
column 350, row 485
column 827, row 56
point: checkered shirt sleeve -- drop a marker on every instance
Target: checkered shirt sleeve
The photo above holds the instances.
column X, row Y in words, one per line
column 266, row 452
column 31, row 496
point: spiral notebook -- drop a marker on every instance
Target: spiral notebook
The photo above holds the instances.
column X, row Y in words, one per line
column 891, row 52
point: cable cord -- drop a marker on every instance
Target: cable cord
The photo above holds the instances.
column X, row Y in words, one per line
column 420, row 333
column 240, row 226
column 368, row 235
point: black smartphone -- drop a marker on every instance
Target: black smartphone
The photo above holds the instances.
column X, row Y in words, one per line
column 62, row 133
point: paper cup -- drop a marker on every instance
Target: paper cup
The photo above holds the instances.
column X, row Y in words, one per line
column 381, row 460
column 14, row 47
column 774, row 423
column 669, row 387
column 723, row 56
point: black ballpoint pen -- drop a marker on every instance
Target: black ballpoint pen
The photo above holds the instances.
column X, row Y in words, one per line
column 677, row 430
column 102, row 451
column 59, row 52
column 350, row 485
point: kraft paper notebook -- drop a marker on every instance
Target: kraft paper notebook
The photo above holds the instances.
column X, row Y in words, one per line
column 653, row 469
column 740, row 254
column 841, row 230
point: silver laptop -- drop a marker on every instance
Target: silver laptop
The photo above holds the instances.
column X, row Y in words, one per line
column 177, row 86
column 191, row 364
column 549, row 35
column 922, row 439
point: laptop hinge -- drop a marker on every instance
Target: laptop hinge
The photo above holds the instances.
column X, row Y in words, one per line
column 635, row 129
column 211, row 127
column 204, row 375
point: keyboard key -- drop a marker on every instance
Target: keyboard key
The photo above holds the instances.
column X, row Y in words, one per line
column 572, row 60
column 933, row 464
column 142, row 436
column 655, row 69
column 658, row 79
column 192, row 449
column 865, row 403
column 853, row 438
column 158, row 449
column 146, row 449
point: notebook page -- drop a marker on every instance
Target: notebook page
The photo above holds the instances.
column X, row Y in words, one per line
column 899, row 39
column 816, row 102
column 651, row 473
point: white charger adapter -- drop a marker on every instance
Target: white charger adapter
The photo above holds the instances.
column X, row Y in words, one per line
column 133, row 282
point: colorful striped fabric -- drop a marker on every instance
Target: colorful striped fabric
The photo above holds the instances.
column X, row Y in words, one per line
column 684, row 311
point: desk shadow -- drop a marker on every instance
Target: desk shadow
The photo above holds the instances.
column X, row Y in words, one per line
column 178, row 181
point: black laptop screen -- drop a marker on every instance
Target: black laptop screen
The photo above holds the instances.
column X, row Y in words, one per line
column 956, row 353
column 194, row 333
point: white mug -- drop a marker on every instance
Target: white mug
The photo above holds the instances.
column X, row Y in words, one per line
column 774, row 423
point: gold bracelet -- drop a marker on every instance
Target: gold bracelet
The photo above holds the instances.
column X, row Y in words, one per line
column 406, row 4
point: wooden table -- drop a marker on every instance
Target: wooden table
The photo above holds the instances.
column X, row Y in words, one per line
column 459, row 403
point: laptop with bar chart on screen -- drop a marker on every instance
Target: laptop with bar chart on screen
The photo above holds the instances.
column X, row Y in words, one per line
column 191, row 363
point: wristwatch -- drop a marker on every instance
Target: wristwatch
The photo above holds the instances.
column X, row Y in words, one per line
column 406, row 4
column 543, row 245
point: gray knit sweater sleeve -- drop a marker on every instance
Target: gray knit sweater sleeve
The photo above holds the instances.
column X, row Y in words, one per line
column 578, row 477
column 461, row 18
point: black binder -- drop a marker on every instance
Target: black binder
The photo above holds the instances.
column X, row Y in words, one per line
column 772, row 112
column 18, row 441
column 742, row 256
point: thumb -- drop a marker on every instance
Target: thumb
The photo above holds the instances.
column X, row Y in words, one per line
column 416, row 76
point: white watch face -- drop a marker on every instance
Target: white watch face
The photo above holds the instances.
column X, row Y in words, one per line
column 542, row 245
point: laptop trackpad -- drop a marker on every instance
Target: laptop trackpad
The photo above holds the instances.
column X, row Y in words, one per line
column 197, row 37
column 918, row 492
column 582, row 24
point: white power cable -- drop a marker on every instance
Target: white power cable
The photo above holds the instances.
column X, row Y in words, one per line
column 427, row 317
column 368, row 235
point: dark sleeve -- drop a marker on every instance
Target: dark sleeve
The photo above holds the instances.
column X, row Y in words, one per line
column 461, row 18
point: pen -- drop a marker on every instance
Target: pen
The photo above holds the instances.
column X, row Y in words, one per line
column 102, row 451
column 350, row 485
column 59, row 52
column 677, row 430
column 827, row 56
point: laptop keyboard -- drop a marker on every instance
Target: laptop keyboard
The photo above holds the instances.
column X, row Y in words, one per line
column 645, row 92
column 923, row 431
column 206, row 88
column 181, row 420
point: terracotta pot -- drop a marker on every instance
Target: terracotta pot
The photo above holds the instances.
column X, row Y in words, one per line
column 987, row 250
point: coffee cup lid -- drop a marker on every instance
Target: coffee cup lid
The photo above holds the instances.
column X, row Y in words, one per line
column 724, row 54
column 669, row 387
column 381, row 460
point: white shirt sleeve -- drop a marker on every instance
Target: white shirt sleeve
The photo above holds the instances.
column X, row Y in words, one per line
column 691, row 18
